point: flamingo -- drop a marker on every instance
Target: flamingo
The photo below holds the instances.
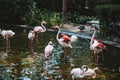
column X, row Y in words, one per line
column 78, row 72
column 7, row 34
column 91, row 72
column 31, row 36
column 48, row 49
column 96, row 46
column 3, row 34
column 38, row 29
column 64, row 41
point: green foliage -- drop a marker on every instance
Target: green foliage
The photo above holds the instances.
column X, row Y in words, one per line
column 80, row 19
column 36, row 16
column 108, row 15
column 109, row 8
column 13, row 11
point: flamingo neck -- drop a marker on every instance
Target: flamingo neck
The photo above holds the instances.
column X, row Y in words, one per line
column 95, row 41
column 95, row 69
column 57, row 36
column 44, row 28
column 92, row 38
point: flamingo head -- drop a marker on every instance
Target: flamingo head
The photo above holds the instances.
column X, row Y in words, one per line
column 44, row 22
column 56, row 27
column 50, row 43
column 92, row 28
column 96, row 69
column 84, row 68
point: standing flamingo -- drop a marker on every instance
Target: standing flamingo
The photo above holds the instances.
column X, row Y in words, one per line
column 96, row 46
column 78, row 72
column 64, row 41
column 7, row 34
column 38, row 29
column 31, row 36
column 48, row 49
column 3, row 35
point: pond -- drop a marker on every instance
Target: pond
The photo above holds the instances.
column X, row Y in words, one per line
column 22, row 63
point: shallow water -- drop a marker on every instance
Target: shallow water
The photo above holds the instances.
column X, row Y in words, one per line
column 22, row 63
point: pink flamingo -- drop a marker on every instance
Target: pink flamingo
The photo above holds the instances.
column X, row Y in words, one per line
column 78, row 72
column 7, row 34
column 96, row 46
column 48, row 49
column 84, row 71
column 38, row 29
column 31, row 36
column 91, row 72
column 64, row 41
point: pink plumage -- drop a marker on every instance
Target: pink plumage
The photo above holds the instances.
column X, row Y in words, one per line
column 48, row 49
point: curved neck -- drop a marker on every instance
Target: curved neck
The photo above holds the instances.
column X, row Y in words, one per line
column 57, row 36
column 91, row 42
column 44, row 28
column 84, row 68
column 96, row 68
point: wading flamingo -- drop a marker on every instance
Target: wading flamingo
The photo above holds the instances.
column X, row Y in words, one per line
column 7, row 34
column 65, row 41
column 96, row 46
column 31, row 36
column 38, row 29
column 48, row 49
column 78, row 72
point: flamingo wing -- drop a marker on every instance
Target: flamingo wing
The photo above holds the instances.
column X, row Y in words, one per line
column 48, row 50
column 100, row 46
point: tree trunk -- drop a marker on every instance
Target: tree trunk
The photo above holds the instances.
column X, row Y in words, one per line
column 64, row 10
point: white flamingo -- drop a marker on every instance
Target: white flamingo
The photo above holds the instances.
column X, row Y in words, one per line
column 91, row 72
column 38, row 29
column 64, row 41
column 7, row 34
column 3, row 34
column 31, row 36
column 96, row 46
column 78, row 72
column 48, row 49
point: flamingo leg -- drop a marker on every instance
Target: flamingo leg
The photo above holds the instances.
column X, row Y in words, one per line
column 64, row 52
column 37, row 38
column 8, row 43
column 30, row 44
column 3, row 41
column 96, row 58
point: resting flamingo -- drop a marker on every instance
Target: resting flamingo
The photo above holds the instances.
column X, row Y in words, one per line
column 31, row 36
column 7, row 34
column 78, row 72
column 96, row 46
column 48, row 49
column 64, row 41
column 38, row 29
column 91, row 72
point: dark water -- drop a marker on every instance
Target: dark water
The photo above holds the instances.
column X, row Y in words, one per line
column 22, row 63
